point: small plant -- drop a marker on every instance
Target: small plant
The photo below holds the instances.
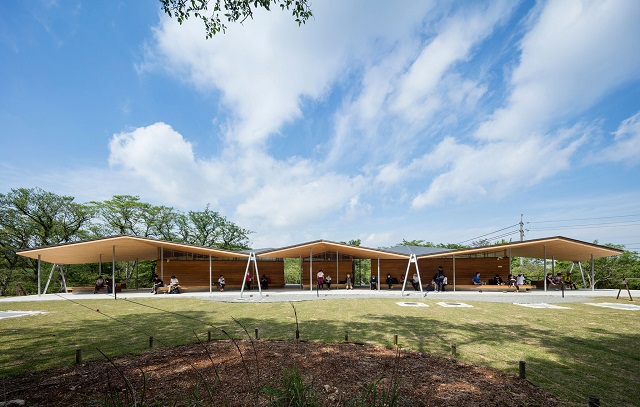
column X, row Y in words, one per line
column 377, row 394
column 291, row 392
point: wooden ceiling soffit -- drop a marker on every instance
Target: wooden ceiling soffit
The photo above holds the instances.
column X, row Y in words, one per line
column 127, row 248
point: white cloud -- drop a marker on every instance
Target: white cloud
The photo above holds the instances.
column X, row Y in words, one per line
column 576, row 52
column 494, row 169
column 626, row 143
column 573, row 55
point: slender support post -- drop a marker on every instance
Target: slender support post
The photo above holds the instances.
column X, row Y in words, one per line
column 150, row 342
column 545, row 267
column 379, row 282
column 311, row 282
column 257, row 335
column 454, row 273
column 208, row 336
column 454, row 349
column 337, row 271
column 522, row 370
column 78, row 356
column 593, row 274
column 39, row 283
column 210, row 276
column 162, row 263
column 346, row 336
column 113, row 271
column 395, row 340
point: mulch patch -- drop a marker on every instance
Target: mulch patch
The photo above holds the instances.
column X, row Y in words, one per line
column 337, row 372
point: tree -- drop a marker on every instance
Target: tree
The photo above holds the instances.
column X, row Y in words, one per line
column 233, row 10
column 209, row 228
column 32, row 217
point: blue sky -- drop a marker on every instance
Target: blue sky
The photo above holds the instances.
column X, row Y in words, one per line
column 437, row 121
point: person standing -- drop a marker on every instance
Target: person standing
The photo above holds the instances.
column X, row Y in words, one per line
column 320, row 277
column 439, row 278
column 248, row 280
column 519, row 281
column 221, row 283
column 389, row 281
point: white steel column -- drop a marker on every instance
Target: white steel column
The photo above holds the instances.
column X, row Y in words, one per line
column 378, row 273
column 545, row 267
column 311, row 283
column 39, row 283
column 593, row 274
column 162, row 263
column 454, row 273
column 113, row 271
column 337, row 271
column 210, row 276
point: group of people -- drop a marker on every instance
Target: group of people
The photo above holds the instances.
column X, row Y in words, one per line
column 172, row 288
column 558, row 281
column 322, row 280
column 264, row 281
column 102, row 283
column 497, row 280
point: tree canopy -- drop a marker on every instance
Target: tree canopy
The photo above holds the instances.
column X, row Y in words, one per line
column 33, row 217
column 210, row 11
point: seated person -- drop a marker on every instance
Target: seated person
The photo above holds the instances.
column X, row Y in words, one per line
column 327, row 281
column 519, row 281
column 401, row 280
column 174, row 285
column 374, row 282
column 415, row 282
column 99, row 284
column 156, row 283
column 476, row 279
column 221, row 282
column 109, row 284
column 497, row 280
column 445, row 282
column 264, row 282
column 389, row 281
column 550, row 279
column 511, row 280
column 558, row 279
column 568, row 283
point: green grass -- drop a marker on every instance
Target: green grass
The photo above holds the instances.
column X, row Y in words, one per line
column 572, row 353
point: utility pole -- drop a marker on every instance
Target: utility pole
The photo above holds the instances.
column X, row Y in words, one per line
column 521, row 235
column 521, row 229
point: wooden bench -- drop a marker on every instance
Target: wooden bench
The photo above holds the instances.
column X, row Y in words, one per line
column 89, row 290
column 487, row 287
column 192, row 288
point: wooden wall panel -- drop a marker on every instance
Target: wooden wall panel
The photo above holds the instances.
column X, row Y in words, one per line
column 465, row 268
column 196, row 273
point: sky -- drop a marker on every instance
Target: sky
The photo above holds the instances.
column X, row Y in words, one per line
column 375, row 120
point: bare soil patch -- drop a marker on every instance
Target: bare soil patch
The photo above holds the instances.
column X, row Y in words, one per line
column 337, row 372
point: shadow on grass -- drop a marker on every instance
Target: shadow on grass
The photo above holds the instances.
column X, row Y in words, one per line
column 572, row 367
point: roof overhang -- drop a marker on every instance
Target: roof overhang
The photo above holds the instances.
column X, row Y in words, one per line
column 557, row 248
column 323, row 246
column 126, row 248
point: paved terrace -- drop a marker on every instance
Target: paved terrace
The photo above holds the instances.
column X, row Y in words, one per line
column 534, row 296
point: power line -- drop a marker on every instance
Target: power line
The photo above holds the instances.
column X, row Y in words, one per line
column 597, row 218
column 491, row 233
column 590, row 226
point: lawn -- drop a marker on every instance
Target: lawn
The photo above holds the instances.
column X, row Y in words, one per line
column 573, row 353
